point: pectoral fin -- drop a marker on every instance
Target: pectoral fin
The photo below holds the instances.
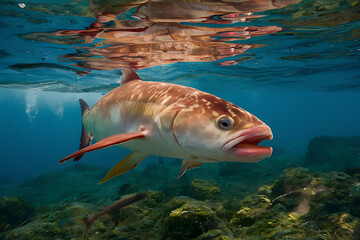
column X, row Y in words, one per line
column 128, row 163
column 107, row 142
column 187, row 164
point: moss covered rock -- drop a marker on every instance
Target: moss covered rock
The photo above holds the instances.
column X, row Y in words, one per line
column 38, row 229
column 252, row 209
column 333, row 153
column 69, row 214
column 191, row 220
column 13, row 212
column 216, row 234
column 154, row 198
column 302, row 205
column 292, row 180
column 177, row 202
column 343, row 225
column 202, row 189
column 341, row 193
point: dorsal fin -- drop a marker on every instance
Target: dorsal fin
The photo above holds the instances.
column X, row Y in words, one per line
column 128, row 75
column 83, row 106
column 86, row 136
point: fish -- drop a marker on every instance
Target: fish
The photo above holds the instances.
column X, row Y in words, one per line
column 170, row 120
column 111, row 208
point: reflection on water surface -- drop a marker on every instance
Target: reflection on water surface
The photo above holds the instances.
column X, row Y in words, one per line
column 163, row 32
column 276, row 42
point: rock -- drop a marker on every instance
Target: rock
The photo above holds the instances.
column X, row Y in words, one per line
column 212, row 234
column 333, row 153
column 292, row 180
column 216, row 235
column 153, row 198
column 251, row 210
column 302, row 205
column 69, row 214
column 341, row 194
column 299, row 204
column 38, row 229
column 353, row 171
column 317, row 194
column 202, row 189
column 13, row 212
column 191, row 220
column 347, row 225
column 177, row 202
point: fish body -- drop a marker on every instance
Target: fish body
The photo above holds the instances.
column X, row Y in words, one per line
column 169, row 120
column 137, row 105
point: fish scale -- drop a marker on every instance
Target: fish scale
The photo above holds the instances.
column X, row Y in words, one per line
column 170, row 120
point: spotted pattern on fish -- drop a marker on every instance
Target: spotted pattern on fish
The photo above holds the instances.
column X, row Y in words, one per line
column 149, row 98
column 169, row 120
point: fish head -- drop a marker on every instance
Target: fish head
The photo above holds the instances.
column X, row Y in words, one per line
column 215, row 130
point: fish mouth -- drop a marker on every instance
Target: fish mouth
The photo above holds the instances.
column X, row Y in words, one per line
column 246, row 143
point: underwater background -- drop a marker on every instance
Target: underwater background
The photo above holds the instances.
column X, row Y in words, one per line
column 294, row 64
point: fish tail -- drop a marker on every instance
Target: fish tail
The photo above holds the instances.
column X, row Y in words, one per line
column 85, row 136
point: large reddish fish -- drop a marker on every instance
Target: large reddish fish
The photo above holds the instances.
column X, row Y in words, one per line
column 169, row 120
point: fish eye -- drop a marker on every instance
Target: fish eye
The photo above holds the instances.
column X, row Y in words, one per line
column 225, row 122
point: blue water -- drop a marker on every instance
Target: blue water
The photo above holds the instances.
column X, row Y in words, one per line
column 302, row 79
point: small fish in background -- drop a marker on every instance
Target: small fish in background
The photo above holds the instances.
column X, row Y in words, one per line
column 111, row 208
column 169, row 120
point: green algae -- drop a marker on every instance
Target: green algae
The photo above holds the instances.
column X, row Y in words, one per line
column 329, row 204
column 217, row 234
column 270, row 213
column 14, row 211
column 176, row 202
column 37, row 229
column 205, row 189
column 298, row 204
column 191, row 220
column 252, row 209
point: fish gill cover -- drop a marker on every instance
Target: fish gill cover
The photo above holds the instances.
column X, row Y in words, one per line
column 295, row 64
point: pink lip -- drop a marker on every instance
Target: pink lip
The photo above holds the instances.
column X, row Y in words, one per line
column 246, row 150
column 246, row 144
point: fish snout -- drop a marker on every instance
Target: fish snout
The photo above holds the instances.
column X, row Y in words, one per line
column 245, row 143
column 251, row 136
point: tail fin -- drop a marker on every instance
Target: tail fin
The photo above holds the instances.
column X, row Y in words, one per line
column 85, row 136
